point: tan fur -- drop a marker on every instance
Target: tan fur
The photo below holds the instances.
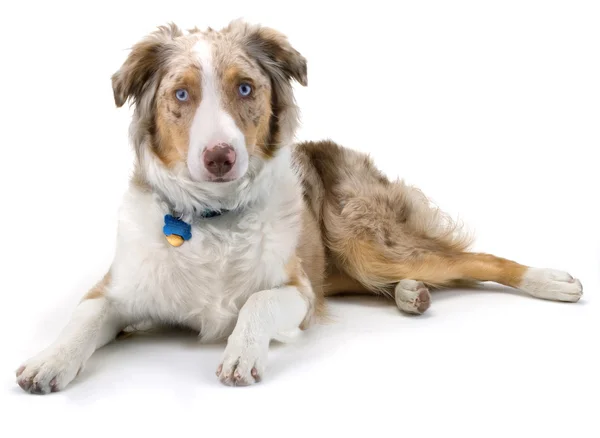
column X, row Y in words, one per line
column 378, row 232
column 339, row 282
column 251, row 114
column 298, row 279
column 271, row 51
column 311, row 257
column 164, row 61
column 361, row 231
column 294, row 272
column 144, row 65
column 174, row 118
column 370, row 264
column 99, row 288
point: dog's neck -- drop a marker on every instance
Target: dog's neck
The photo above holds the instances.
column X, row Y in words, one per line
column 190, row 200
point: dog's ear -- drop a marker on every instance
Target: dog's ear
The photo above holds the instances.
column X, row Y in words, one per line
column 143, row 64
column 282, row 64
column 274, row 52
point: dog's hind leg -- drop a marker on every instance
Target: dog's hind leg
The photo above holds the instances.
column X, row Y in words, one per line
column 375, row 266
column 394, row 243
column 387, row 237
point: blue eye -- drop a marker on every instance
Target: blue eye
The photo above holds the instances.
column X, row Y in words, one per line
column 182, row 95
column 245, row 89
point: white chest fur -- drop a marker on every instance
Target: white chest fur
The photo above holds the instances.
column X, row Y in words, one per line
column 203, row 283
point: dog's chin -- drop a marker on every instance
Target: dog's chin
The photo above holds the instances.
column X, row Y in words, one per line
column 206, row 178
column 201, row 176
column 220, row 180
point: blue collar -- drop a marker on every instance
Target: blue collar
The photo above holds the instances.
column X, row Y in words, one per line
column 206, row 214
column 178, row 231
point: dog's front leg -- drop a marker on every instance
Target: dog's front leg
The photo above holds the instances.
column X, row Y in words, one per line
column 93, row 324
column 269, row 314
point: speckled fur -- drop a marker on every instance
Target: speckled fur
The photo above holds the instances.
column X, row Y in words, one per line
column 302, row 221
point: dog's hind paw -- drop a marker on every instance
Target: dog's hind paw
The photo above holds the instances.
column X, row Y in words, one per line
column 550, row 284
column 412, row 296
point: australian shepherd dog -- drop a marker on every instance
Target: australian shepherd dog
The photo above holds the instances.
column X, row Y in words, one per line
column 230, row 229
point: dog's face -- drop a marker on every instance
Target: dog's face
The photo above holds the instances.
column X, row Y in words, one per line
column 211, row 101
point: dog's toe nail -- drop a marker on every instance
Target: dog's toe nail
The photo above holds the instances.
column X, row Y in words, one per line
column 255, row 374
column 25, row 384
column 36, row 388
column 20, row 370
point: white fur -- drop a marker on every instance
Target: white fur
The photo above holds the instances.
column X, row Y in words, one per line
column 92, row 325
column 187, row 197
column 551, row 284
column 270, row 314
column 410, row 294
column 228, row 281
column 203, row 284
column 212, row 124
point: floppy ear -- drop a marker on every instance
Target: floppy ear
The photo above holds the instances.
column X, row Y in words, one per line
column 275, row 53
column 281, row 63
column 141, row 68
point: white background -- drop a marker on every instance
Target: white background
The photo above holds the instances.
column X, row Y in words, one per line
column 492, row 108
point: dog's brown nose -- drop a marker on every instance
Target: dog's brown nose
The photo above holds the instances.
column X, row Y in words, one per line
column 219, row 159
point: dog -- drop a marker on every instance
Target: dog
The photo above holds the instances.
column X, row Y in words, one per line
column 231, row 229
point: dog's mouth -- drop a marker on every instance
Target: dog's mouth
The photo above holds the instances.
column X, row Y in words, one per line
column 203, row 177
column 219, row 165
column 221, row 180
column 216, row 179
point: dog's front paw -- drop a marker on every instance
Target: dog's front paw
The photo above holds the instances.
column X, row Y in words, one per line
column 243, row 362
column 49, row 371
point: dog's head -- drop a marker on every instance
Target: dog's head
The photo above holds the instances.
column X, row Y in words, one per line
column 208, row 104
